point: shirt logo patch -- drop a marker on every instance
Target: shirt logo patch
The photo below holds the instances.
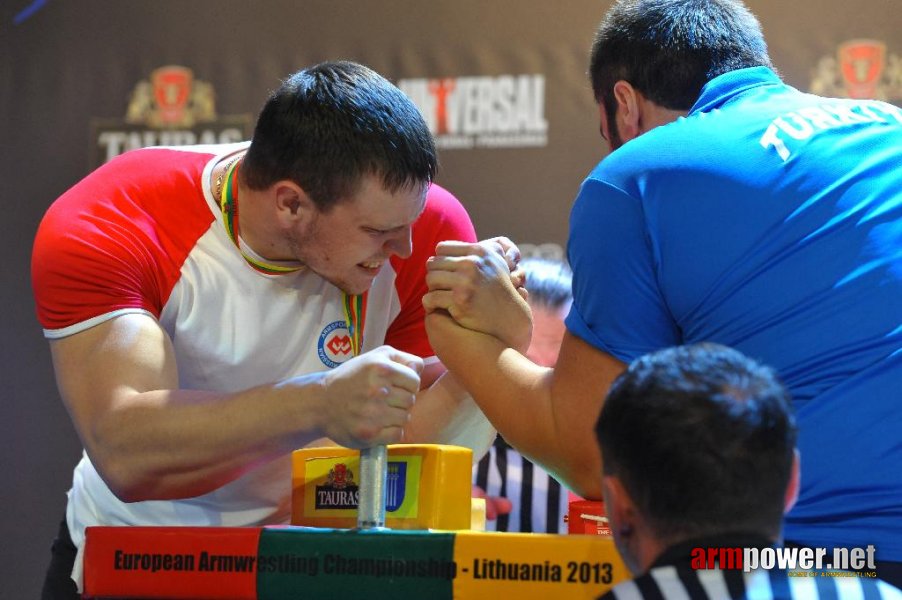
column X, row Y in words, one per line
column 334, row 345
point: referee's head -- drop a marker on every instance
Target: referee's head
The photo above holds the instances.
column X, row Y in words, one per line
column 697, row 441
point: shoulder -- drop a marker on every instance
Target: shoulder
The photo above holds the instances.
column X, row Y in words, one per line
column 883, row 589
column 443, row 207
column 141, row 187
column 117, row 239
column 157, row 161
column 444, row 217
column 659, row 582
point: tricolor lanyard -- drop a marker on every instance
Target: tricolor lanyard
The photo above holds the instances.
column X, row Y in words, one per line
column 229, row 207
column 354, row 306
column 355, row 317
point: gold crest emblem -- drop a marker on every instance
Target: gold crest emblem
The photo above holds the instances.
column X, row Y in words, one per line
column 171, row 98
column 861, row 68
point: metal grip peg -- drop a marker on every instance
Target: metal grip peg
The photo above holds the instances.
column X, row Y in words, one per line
column 373, row 475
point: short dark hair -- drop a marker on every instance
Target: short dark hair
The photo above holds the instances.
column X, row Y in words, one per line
column 549, row 282
column 329, row 125
column 702, row 438
column 669, row 49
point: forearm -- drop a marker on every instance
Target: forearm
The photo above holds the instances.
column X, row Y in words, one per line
column 181, row 443
column 150, row 439
column 519, row 399
column 445, row 413
column 548, row 415
column 513, row 392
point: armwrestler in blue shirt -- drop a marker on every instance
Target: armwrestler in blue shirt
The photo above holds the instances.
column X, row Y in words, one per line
column 732, row 209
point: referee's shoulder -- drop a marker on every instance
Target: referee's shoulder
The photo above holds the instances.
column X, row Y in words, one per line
column 666, row 582
column 886, row 591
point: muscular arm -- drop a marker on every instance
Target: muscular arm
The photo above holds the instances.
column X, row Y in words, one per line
column 547, row 414
column 445, row 413
column 151, row 440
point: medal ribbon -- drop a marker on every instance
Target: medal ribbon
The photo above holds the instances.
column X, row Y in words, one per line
column 354, row 305
column 355, row 317
column 229, row 207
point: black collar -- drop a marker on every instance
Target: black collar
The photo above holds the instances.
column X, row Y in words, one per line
column 681, row 552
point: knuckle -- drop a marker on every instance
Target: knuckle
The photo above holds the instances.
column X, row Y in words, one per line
column 468, row 267
column 463, row 296
column 365, row 434
column 380, row 371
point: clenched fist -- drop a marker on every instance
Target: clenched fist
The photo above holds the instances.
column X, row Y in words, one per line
column 480, row 287
column 367, row 400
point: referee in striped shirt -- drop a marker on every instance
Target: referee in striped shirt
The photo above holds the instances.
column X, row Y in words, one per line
column 525, row 497
column 698, row 447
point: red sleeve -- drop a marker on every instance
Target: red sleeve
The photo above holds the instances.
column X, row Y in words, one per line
column 116, row 240
column 444, row 218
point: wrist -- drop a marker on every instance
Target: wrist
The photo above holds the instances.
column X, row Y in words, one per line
column 520, row 334
column 305, row 400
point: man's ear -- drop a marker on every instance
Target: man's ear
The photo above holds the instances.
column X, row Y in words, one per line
column 629, row 110
column 792, row 487
column 292, row 202
column 604, row 128
column 618, row 506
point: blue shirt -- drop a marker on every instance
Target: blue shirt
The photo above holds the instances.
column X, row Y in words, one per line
column 771, row 221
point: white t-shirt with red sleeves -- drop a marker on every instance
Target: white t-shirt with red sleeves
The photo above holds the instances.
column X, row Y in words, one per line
column 143, row 234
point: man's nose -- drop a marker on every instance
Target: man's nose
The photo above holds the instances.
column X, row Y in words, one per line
column 400, row 243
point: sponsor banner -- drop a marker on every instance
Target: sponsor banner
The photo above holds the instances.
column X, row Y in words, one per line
column 505, row 111
column 170, row 108
column 171, row 562
column 336, row 494
column 275, row 563
column 349, row 564
column 427, row 486
column 530, row 565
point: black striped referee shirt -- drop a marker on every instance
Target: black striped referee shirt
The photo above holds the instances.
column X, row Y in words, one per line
column 671, row 577
column 539, row 501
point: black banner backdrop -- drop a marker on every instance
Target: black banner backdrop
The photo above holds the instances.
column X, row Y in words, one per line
column 502, row 84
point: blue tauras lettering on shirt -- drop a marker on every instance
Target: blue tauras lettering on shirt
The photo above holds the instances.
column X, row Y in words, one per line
column 803, row 123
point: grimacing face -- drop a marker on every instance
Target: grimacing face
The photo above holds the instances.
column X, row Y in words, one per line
column 348, row 244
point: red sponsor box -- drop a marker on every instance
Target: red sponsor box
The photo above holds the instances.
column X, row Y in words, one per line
column 587, row 517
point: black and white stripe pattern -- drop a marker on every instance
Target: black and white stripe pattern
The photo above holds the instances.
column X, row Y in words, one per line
column 539, row 502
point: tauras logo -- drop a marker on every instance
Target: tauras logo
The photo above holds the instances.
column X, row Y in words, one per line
column 170, row 108
column 505, row 111
column 339, row 491
column 861, row 68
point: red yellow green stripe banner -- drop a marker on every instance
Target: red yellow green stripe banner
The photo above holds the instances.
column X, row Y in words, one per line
column 274, row 563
